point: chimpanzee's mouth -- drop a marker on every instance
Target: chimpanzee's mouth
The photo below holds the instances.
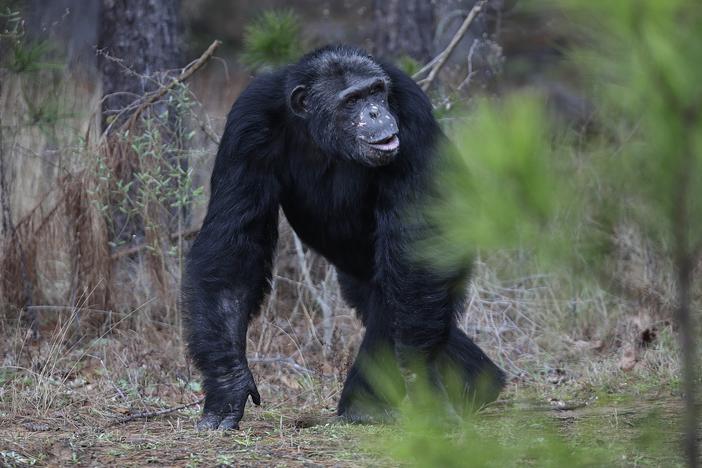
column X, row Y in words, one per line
column 388, row 144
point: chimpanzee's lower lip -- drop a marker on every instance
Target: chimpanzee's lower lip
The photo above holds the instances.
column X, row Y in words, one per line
column 389, row 144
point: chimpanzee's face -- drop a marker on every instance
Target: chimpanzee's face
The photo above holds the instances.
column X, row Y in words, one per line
column 348, row 115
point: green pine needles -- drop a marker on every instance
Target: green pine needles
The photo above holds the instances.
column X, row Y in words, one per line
column 272, row 40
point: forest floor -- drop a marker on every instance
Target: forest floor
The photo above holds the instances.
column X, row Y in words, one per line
column 270, row 438
column 71, row 407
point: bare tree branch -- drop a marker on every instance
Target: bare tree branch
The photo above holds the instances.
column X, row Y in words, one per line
column 187, row 72
column 439, row 61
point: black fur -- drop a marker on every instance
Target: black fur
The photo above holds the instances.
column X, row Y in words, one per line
column 288, row 143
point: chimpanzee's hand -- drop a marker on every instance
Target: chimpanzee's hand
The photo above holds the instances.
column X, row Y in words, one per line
column 226, row 397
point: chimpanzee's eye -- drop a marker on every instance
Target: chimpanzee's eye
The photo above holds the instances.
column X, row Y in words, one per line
column 377, row 89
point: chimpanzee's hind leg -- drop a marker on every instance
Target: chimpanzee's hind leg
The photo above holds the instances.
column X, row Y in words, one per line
column 471, row 378
column 374, row 384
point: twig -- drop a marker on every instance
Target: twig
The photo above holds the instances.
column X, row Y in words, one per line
column 184, row 75
column 426, row 67
column 470, row 66
column 441, row 59
column 288, row 361
column 210, row 134
column 184, row 234
column 152, row 414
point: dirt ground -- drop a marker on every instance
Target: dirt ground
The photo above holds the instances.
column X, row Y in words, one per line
column 83, row 427
column 172, row 441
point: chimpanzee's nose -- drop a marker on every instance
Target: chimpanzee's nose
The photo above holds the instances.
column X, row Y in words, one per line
column 376, row 123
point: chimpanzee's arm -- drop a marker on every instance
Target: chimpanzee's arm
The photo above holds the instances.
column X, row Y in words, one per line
column 228, row 268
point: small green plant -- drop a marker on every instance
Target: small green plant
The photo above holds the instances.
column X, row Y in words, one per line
column 273, row 39
column 17, row 54
column 28, row 57
column 161, row 186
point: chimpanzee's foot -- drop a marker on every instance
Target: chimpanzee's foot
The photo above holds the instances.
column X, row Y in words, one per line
column 472, row 380
column 360, row 413
column 376, row 416
column 364, row 403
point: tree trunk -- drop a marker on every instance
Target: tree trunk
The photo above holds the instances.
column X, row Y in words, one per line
column 404, row 27
column 139, row 39
column 140, row 43
column 688, row 351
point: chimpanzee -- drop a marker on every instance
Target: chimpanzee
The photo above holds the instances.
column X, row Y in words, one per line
column 345, row 144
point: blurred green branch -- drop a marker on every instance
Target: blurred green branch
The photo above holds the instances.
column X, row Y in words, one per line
column 510, row 178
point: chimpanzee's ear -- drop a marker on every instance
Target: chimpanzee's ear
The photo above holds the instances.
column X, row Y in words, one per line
column 298, row 99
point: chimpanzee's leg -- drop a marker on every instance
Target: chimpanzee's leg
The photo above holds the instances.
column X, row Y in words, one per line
column 424, row 302
column 374, row 384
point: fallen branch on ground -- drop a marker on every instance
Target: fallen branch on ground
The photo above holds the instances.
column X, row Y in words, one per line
column 153, row 414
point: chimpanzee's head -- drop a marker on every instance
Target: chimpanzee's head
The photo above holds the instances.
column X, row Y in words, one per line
column 342, row 95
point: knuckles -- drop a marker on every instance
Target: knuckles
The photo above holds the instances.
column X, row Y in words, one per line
column 226, row 399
